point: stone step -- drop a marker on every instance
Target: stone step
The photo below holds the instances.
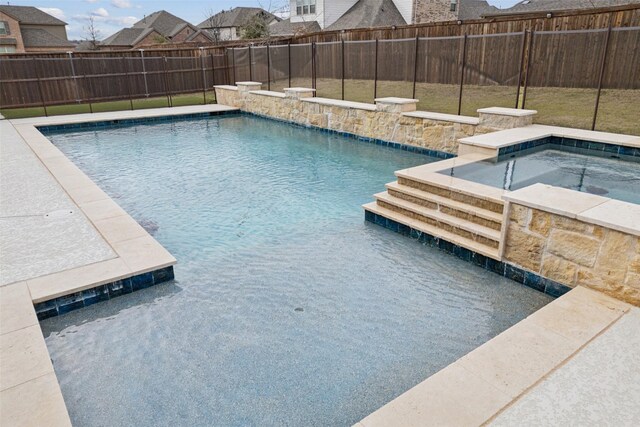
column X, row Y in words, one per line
column 450, row 223
column 435, row 231
column 448, row 206
column 493, row 204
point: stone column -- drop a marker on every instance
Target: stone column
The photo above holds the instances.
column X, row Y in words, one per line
column 396, row 105
column 505, row 118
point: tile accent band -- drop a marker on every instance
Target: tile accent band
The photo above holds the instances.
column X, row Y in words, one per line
column 597, row 147
column 67, row 303
column 527, row 278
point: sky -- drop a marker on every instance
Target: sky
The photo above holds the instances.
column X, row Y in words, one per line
column 113, row 15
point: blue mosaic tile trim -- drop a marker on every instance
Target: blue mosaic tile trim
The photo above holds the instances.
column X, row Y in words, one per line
column 509, row 271
column 67, row 303
column 404, row 147
column 596, row 147
column 137, row 121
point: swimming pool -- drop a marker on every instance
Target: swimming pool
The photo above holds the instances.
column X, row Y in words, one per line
column 287, row 308
column 573, row 168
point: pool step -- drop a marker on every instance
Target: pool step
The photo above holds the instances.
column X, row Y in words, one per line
column 486, row 202
column 432, row 230
column 446, row 205
column 457, row 226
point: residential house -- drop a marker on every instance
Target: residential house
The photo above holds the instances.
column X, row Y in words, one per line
column 28, row 29
column 228, row 24
column 157, row 28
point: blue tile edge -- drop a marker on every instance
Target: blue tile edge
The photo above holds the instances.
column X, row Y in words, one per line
column 595, row 147
column 510, row 271
column 67, row 303
column 404, row 147
column 47, row 129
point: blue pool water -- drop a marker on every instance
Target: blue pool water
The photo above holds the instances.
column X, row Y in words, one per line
column 287, row 308
column 573, row 168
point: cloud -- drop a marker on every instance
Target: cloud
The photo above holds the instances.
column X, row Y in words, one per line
column 54, row 11
column 120, row 21
column 101, row 11
column 91, row 1
column 121, row 4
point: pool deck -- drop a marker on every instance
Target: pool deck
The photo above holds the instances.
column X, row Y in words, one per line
column 533, row 371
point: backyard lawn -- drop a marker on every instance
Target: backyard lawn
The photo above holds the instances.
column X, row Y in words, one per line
column 618, row 112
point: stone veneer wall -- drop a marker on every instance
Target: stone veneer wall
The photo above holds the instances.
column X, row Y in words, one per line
column 386, row 123
column 434, row 11
column 574, row 252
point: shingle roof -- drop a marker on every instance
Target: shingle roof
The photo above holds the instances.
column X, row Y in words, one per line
column 288, row 28
column 475, row 9
column 31, row 15
column 367, row 14
column 36, row 37
column 528, row 6
column 236, row 17
column 162, row 21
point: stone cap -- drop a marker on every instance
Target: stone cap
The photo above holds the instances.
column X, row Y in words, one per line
column 512, row 112
column 299, row 89
column 248, row 84
column 590, row 208
column 226, row 87
column 395, row 100
column 466, row 120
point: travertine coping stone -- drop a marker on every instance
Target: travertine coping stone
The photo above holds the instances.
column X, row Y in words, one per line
column 226, row 87
column 268, row 93
column 505, row 118
column 396, row 105
column 298, row 92
column 245, row 87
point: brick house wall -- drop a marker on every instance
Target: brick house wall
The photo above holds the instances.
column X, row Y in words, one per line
column 14, row 31
column 434, row 11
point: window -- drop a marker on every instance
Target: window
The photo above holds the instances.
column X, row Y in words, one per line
column 305, row 7
column 4, row 28
column 454, row 5
column 7, row 49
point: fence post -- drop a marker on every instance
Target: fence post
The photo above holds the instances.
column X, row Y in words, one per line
column 90, row 87
column 44, row 104
column 526, row 76
column 342, row 65
column 603, row 66
column 233, row 64
column 524, row 44
column 289, row 60
column 313, row 66
column 144, row 73
column 75, row 80
column 415, row 67
column 166, row 82
column 464, row 61
column 250, row 63
column 204, row 77
column 213, row 71
column 268, row 67
column 375, row 74
column 128, row 80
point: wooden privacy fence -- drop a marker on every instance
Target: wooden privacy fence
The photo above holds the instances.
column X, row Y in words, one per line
column 597, row 59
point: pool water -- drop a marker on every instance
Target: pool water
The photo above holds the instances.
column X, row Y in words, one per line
column 287, row 308
column 567, row 167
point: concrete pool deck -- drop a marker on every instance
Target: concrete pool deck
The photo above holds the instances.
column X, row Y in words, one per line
column 494, row 382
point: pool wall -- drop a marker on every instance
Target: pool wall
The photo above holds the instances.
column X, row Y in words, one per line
column 389, row 119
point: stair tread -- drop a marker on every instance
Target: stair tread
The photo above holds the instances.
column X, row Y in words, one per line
column 463, row 224
column 441, row 200
column 434, row 231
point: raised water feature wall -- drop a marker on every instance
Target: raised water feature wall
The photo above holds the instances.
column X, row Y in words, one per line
column 389, row 119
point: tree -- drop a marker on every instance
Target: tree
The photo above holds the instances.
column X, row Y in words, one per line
column 93, row 34
column 214, row 25
column 256, row 28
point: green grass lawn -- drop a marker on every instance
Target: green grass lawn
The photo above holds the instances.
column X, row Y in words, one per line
column 99, row 107
column 619, row 109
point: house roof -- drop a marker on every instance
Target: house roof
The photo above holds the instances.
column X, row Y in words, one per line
column 475, row 9
column 288, row 28
column 236, row 17
column 162, row 21
column 36, row 37
column 530, row 6
column 367, row 14
column 30, row 15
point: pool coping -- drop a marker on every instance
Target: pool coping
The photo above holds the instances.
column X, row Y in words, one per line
column 29, row 391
